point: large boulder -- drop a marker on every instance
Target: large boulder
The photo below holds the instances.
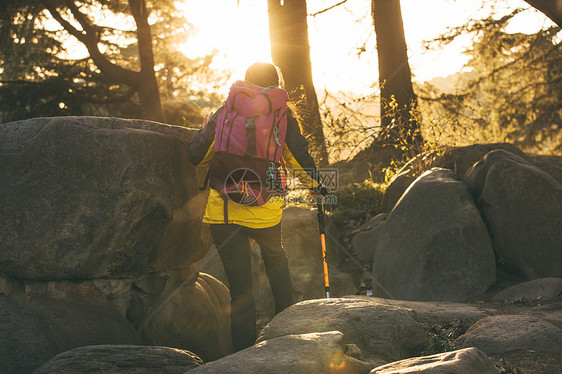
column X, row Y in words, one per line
column 398, row 185
column 434, row 245
column 463, row 361
column 301, row 240
column 34, row 329
column 542, row 289
column 504, row 333
column 457, row 159
column 461, row 159
column 363, row 242
column 110, row 293
column 89, row 197
column 130, row 359
column 300, row 231
column 431, row 313
column 5, row 285
column 550, row 164
column 177, row 309
column 522, row 206
column 380, row 330
column 195, row 316
column 296, row 354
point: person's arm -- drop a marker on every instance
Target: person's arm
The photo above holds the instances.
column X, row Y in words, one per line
column 202, row 146
column 296, row 155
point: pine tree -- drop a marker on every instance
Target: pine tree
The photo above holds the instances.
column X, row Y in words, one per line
column 129, row 66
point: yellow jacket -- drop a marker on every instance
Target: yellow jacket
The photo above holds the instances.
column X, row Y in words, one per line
column 295, row 156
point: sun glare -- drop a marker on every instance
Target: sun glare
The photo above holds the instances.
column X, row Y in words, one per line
column 239, row 34
column 342, row 40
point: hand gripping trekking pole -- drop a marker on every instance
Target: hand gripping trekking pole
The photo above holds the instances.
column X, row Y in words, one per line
column 321, row 227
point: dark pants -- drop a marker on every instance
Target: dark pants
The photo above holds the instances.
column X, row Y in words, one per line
column 233, row 246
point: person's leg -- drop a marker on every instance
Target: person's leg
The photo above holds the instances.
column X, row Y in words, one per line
column 233, row 247
column 276, row 265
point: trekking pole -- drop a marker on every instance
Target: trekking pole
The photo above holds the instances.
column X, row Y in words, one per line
column 321, row 228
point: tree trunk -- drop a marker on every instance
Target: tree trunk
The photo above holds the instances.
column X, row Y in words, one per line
column 290, row 50
column 143, row 81
column 149, row 94
column 399, row 128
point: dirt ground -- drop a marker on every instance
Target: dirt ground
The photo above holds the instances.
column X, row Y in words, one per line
column 526, row 361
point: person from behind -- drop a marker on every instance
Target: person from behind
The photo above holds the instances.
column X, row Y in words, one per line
column 247, row 144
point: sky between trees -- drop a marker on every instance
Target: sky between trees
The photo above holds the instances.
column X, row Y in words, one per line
column 337, row 36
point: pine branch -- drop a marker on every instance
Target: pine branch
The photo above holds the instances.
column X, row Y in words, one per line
column 443, row 97
column 518, row 59
column 90, row 39
column 112, row 100
column 81, row 36
column 22, row 81
column 472, row 26
column 82, row 19
column 525, row 88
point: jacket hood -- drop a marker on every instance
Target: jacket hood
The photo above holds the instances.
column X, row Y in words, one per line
column 251, row 100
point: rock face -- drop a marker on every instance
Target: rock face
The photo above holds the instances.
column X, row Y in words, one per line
column 193, row 316
column 33, row 331
column 464, row 361
column 300, row 229
column 131, row 359
column 552, row 165
column 5, row 285
column 536, row 290
column 457, row 159
column 296, row 354
column 435, row 312
column 380, row 330
column 396, row 189
column 499, row 334
column 101, row 227
column 522, row 206
column 301, row 240
column 434, row 245
column 89, row 197
column 461, row 159
column 365, row 238
column 42, row 319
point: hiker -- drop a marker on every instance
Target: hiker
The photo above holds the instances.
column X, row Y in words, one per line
column 268, row 137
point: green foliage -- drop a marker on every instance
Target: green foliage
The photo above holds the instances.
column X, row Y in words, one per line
column 403, row 132
column 356, row 203
column 33, row 90
column 43, row 72
column 513, row 92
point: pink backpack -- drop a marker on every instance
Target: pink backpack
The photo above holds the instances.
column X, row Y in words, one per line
column 249, row 138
